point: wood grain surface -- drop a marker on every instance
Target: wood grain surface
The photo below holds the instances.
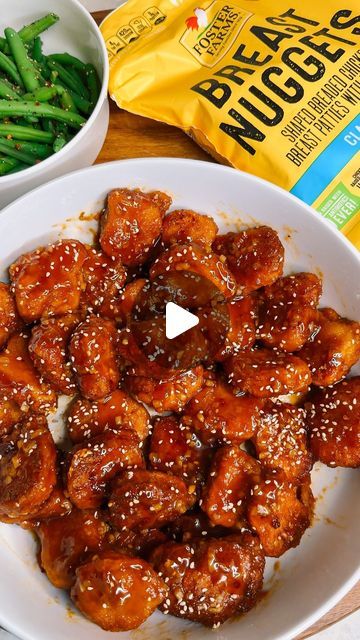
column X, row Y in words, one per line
column 131, row 136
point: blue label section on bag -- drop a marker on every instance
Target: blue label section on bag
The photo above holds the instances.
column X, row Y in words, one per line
column 329, row 163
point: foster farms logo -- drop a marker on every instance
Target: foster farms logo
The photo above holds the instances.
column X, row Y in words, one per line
column 211, row 31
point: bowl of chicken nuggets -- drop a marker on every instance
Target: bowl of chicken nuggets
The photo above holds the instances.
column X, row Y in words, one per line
column 175, row 485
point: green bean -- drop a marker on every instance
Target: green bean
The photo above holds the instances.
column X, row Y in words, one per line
column 92, row 83
column 31, row 31
column 41, row 110
column 48, row 126
column 66, row 100
column 68, row 60
column 69, row 79
column 7, row 164
column 60, row 142
column 25, row 65
column 40, row 151
column 18, row 132
column 13, row 152
column 37, row 53
column 11, row 85
column 80, row 103
column 33, row 120
column 43, row 94
column 7, row 92
column 20, row 167
column 9, row 68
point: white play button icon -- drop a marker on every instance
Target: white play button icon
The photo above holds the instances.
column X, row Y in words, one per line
column 178, row 320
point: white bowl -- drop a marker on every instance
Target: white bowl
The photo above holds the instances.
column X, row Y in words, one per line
column 77, row 33
column 313, row 577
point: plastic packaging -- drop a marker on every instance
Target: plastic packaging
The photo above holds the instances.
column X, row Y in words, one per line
column 272, row 88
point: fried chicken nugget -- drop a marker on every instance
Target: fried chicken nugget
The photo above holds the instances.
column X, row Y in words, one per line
column 136, row 543
column 170, row 394
column 116, row 591
column 280, row 512
column 10, row 412
column 198, row 260
column 176, row 449
column 333, row 417
column 255, row 257
column 48, row 351
column 104, row 277
column 127, row 299
column 114, row 413
column 55, row 506
column 333, row 350
column 93, row 463
column 131, row 223
column 93, row 355
column 213, row 579
column 218, row 416
column 281, row 441
column 242, row 330
column 183, row 226
column 232, row 475
column 20, row 380
column 48, row 281
column 27, row 468
column 68, row 541
column 287, row 311
column 9, row 318
column 147, row 499
column 264, row 373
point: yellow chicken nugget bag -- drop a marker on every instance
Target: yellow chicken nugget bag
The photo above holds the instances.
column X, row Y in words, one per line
column 272, row 88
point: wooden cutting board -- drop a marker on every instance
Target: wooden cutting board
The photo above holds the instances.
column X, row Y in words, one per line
column 131, row 136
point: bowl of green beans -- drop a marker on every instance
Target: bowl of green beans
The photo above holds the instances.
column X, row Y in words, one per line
column 54, row 111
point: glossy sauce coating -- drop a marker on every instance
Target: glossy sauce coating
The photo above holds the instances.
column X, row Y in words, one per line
column 48, row 349
column 116, row 591
column 49, row 280
column 93, row 357
column 169, row 394
column 280, row 512
column 281, row 441
column 183, row 225
column 287, row 311
column 10, row 412
column 218, row 416
column 232, row 474
column 198, row 260
column 211, row 580
column 333, row 417
column 67, row 541
column 9, row 318
column 264, row 373
column 147, row 499
column 95, row 462
column 175, row 449
column 55, row 506
column 255, row 257
column 130, row 224
column 333, row 349
column 104, row 278
column 27, row 468
column 118, row 411
column 20, row 380
column 242, row 329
